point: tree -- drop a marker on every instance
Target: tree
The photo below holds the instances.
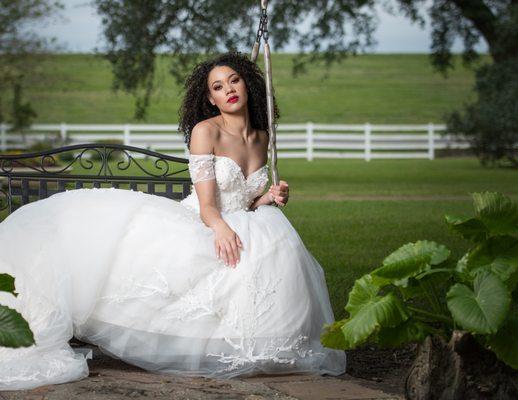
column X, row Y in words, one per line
column 137, row 31
column 21, row 52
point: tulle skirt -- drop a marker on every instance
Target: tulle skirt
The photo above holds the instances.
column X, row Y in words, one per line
column 137, row 275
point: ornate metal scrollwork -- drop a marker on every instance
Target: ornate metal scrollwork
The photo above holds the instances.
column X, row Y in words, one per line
column 83, row 156
column 38, row 174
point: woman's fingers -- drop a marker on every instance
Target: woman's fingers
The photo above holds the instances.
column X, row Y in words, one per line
column 235, row 252
column 230, row 253
column 216, row 248
column 228, row 250
column 279, row 190
column 280, row 201
column 221, row 252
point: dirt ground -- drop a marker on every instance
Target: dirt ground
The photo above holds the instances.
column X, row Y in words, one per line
column 372, row 374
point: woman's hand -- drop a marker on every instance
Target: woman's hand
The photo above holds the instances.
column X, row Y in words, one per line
column 227, row 244
column 280, row 193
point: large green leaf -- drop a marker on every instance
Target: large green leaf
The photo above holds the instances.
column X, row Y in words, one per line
column 470, row 228
column 7, row 284
column 409, row 331
column 412, row 259
column 332, row 336
column 14, row 330
column 498, row 254
column 504, row 343
column 483, row 309
column 362, row 293
column 498, row 212
column 386, row 311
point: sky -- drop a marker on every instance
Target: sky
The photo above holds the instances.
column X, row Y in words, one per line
column 79, row 30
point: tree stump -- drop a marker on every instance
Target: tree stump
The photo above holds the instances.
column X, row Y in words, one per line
column 458, row 370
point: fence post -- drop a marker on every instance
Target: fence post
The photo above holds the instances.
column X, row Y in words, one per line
column 3, row 138
column 127, row 135
column 63, row 132
column 309, row 141
column 431, row 141
column 367, row 132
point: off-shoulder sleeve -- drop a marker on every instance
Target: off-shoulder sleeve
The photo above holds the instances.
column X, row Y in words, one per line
column 201, row 167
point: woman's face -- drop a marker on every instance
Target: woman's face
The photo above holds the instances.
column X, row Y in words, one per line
column 225, row 84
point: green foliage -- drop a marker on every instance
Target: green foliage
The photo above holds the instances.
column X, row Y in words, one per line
column 22, row 51
column 483, row 308
column 14, row 330
column 135, row 31
column 7, row 284
column 419, row 290
column 491, row 122
column 22, row 112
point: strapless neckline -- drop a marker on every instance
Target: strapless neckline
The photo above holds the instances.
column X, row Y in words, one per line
column 246, row 178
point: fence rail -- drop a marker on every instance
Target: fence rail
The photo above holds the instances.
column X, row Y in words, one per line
column 307, row 140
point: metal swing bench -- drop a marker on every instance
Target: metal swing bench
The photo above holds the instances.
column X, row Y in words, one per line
column 34, row 176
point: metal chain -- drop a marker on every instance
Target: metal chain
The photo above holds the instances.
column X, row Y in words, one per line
column 262, row 31
column 264, row 22
column 263, row 27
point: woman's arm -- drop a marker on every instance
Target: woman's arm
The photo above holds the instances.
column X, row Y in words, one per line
column 227, row 242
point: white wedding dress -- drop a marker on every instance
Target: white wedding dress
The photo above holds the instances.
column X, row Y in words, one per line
column 137, row 275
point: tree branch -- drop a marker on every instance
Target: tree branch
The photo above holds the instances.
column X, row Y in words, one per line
column 482, row 17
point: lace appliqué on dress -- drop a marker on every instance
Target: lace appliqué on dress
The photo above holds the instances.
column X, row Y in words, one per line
column 131, row 288
column 201, row 167
column 244, row 321
column 233, row 191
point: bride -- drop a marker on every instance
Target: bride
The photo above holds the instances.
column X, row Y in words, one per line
column 217, row 285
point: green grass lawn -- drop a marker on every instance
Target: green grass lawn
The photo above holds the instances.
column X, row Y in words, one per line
column 351, row 214
column 376, row 88
column 351, row 238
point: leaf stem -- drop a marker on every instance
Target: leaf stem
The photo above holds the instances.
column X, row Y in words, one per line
column 425, row 287
column 439, row 317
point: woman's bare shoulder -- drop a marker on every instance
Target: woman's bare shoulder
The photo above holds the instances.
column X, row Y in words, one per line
column 204, row 137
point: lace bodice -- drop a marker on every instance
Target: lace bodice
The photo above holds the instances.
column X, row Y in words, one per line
column 234, row 191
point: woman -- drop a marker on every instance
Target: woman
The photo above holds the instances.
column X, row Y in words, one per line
column 217, row 285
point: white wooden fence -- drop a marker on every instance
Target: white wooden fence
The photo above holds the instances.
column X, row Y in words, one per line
column 309, row 140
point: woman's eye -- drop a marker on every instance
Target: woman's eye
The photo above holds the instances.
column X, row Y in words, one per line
column 235, row 80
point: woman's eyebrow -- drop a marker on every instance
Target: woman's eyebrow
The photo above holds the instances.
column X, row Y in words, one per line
column 233, row 73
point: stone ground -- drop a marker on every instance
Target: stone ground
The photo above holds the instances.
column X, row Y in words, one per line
column 111, row 379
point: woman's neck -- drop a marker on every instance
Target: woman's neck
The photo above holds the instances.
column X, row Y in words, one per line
column 237, row 124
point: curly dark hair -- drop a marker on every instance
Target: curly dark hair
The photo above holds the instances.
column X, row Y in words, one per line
column 196, row 106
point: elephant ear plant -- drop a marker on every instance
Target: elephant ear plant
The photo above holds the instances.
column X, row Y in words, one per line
column 420, row 291
column 14, row 330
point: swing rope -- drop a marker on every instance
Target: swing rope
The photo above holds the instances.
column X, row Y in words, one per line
column 262, row 32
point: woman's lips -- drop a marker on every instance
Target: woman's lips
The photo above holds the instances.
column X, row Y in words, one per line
column 233, row 99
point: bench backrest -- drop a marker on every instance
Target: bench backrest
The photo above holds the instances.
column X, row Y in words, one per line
column 32, row 176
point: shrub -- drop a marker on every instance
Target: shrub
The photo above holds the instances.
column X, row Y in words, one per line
column 420, row 290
